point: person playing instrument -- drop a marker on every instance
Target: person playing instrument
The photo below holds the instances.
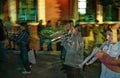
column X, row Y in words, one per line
column 110, row 60
column 104, row 47
column 74, row 55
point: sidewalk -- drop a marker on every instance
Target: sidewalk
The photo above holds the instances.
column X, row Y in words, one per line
column 48, row 66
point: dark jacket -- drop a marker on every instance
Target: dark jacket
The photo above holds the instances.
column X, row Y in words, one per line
column 74, row 47
column 22, row 38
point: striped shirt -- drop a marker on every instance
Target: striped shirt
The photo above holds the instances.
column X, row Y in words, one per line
column 22, row 38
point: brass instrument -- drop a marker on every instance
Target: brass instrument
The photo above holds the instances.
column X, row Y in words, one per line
column 92, row 55
column 59, row 36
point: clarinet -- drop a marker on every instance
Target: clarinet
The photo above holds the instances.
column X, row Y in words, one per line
column 92, row 55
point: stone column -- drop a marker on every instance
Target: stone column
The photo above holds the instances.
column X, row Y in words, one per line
column 99, row 12
column 75, row 10
column 12, row 10
column 41, row 10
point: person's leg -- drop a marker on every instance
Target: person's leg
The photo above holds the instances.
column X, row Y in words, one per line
column 41, row 43
column 58, row 46
column 49, row 45
column 69, row 72
column 76, row 73
column 24, row 58
column 63, row 53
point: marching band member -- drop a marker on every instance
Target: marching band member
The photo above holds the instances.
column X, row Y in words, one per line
column 110, row 60
column 74, row 55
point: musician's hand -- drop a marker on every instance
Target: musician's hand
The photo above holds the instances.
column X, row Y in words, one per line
column 95, row 48
column 88, row 63
column 99, row 54
column 63, row 37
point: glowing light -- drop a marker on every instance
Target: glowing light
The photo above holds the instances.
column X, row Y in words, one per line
column 82, row 0
column 41, row 11
column 12, row 10
column 100, row 13
column 82, row 5
column 82, row 11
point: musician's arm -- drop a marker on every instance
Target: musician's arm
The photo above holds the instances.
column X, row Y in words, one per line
column 110, row 62
column 106, row 59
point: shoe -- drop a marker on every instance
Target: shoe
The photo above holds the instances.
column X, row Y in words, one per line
column 26, row 72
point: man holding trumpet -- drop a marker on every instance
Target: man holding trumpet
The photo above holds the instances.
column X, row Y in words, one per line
column 74, row 46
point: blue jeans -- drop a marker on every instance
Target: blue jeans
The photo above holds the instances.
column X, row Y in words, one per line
column 41, row 42
column 3, row 51
column 24, row 56
column 49, row 44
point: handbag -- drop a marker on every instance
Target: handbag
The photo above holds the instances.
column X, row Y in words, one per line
column 31, row 57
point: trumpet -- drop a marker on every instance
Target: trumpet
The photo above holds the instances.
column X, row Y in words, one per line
column 95, row 51
column 61, row 37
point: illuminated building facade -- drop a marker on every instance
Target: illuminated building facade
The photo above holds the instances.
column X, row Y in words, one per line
column 34, row 10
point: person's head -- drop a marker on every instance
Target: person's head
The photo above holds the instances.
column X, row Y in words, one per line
column 48, row 22
column 109, row 35
column 75, row 30
column 67, row 26
column 40, row 21
column 97, row 21
column 71, row 22
column 23, row 25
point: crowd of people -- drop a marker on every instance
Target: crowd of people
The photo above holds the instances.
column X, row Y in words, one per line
column 75, row 40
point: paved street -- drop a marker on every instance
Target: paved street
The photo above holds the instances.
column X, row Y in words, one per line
column 48, row 66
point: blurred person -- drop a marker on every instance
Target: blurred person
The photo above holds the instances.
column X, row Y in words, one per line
column 45, row 36
column 110, row 59
column 40, row 27
column 58, row 28
column 3, row 35
column 85, row 33
column 8, row 25
column 67, row 30
column 71, row 23
column 22, row 40
column 96, row 49
column 74, row 55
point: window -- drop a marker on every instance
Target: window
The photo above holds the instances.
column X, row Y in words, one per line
column 27, row 10
column 82, row 6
